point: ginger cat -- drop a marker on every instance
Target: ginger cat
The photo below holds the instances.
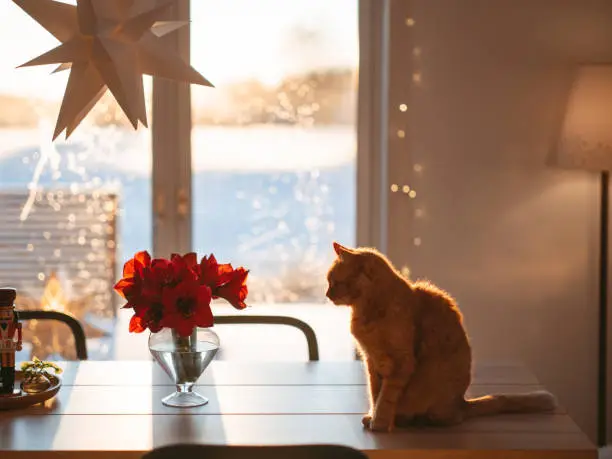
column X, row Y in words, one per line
column 415, row 348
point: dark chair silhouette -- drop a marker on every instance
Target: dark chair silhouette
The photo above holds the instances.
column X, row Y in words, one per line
column 311, row 337
column 254, row 452
column 75, row 327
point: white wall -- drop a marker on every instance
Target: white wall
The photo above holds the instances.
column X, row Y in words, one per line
column 513, row 240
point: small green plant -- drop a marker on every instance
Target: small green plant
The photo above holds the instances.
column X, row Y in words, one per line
column 39, row 367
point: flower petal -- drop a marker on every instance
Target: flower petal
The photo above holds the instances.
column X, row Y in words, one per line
column 123, row 287
column 155, row 327
column 224, row 273
column 184, row 327
column 235, row 291
column 191, row 259
column 203, row 316
column 204, row 295
column 137, row 324
column 169, row 299
column 143, row 259
column 208, row 271
column 128, row 268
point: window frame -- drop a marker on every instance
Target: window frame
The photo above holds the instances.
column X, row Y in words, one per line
column 386, row 216
column 372, row 130
column 171, row 150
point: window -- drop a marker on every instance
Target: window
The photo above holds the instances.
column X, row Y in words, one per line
column 72, row 211
column 274, row 147
column 272, row 169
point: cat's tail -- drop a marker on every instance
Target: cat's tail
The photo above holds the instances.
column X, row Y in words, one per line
column 529, row 402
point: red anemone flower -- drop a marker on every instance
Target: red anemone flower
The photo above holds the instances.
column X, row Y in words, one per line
column 146, row 317
column 235, row 291
column 187, row 305
column 213, row 274
column 129, row 287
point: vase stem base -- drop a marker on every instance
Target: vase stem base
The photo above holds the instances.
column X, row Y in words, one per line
column 184, row 400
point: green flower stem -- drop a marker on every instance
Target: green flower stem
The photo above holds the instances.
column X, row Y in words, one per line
column 186, row 343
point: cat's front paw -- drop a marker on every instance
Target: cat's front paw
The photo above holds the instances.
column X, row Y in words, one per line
column 366, row 420
column 380, row 425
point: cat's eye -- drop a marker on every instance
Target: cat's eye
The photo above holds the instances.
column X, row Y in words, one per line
column 336, row 284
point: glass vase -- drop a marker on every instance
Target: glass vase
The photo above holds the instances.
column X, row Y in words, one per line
column 184, row 359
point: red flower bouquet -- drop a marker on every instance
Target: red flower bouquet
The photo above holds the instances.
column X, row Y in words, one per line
column 172, row 299
column 177, row 293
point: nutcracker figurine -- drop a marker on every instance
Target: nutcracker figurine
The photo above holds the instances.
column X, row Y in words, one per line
column 9, row 326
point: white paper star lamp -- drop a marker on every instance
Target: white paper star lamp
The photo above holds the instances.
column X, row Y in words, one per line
column 108, row 44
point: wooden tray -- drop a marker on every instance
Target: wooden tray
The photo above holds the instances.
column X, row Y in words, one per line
column 22, row 400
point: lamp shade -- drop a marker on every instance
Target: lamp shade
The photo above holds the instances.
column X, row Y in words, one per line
column 586, row 136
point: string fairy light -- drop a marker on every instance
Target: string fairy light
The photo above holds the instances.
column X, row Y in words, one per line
column 408, row 190
column 405, row 75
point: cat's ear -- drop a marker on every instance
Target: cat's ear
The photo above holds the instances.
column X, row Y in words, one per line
column 342, row 251
column 338, row 248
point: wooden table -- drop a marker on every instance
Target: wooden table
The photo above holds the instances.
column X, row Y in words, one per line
column 113, row 410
